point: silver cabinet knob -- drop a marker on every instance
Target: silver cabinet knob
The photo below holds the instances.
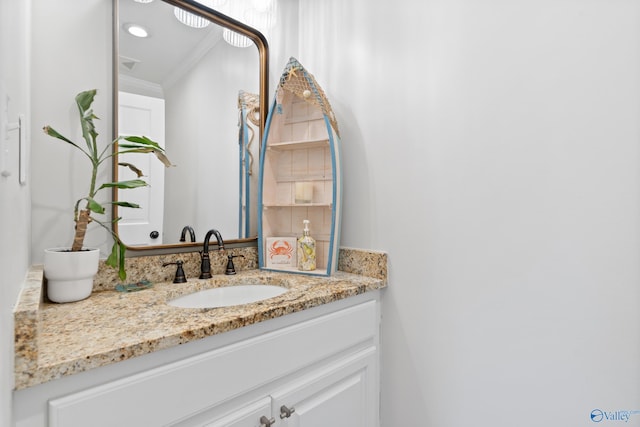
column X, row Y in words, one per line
column 266, row 422
column 286, row 412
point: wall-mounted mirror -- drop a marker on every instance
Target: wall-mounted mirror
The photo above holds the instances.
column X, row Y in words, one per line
column 181, row 85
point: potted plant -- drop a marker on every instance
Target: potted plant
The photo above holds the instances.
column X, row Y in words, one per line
column 62, row 286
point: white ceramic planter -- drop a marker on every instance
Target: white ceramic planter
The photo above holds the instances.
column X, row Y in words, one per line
column 70, row 274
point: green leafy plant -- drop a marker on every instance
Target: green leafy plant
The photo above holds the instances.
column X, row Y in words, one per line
column 86, row 207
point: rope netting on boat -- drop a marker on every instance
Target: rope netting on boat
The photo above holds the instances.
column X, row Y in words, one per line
column 250, row 103
column 248, row 110
column 298, row 81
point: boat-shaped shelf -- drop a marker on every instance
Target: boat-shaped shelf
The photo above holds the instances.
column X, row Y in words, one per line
column 300, row 175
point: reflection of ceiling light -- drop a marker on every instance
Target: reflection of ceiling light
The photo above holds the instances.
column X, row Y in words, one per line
column 136, row 30
column 143, row 1
column 189, row 19
column 259, row 14
column 192, row 20
column 235, row 39
column 263, row 5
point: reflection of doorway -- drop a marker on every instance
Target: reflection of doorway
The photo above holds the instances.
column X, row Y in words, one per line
column 142, row 115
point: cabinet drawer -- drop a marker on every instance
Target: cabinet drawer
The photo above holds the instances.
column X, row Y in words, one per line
column 178, row 390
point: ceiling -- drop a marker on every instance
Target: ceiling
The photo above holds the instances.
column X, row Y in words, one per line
column 171, row 47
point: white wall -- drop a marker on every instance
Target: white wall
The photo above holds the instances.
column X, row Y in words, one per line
column 491, row 147
column 14, row 197
column 71, row 52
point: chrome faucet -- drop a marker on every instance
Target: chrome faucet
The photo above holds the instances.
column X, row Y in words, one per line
column 192, row 234
column 205, row 265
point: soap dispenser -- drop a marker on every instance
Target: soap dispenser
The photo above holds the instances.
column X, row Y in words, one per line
column 306, row 250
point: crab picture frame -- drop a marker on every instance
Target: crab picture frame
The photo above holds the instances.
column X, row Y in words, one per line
column 281, row 252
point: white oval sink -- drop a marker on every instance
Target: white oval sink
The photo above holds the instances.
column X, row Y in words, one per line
column 227, row 296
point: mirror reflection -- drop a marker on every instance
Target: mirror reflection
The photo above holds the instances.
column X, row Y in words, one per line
column 180, row 85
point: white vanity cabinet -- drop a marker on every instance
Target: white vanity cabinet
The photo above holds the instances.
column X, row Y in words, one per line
column 340, row 395
column 320, row 364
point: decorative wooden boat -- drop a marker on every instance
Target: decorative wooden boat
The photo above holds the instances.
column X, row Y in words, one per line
column 300, row 175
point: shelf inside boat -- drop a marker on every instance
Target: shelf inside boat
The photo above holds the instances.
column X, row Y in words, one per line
column 296, row 205
column 302, row 178
column 299, row 144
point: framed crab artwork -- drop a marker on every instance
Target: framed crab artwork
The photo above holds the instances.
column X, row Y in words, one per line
column 281, row 252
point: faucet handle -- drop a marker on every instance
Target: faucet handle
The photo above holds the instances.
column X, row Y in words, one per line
column 205, row 265
column 231, row 269
column 180, row 276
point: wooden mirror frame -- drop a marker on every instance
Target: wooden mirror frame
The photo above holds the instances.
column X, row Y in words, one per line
column 226, row 22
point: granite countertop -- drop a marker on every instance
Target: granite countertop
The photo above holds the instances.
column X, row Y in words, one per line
column 56, row 340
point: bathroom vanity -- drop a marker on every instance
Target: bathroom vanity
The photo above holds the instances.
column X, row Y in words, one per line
column 307, row 357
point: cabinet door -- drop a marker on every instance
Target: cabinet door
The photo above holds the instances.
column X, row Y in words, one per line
column 247, row 416
column 241, row 415
column 340, row 395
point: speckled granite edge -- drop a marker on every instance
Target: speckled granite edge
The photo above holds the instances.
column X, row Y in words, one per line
column 363, row 262
column 26, row 316
column 55, row 340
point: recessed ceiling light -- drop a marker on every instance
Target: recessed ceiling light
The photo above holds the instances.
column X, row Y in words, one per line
column 136, row 30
